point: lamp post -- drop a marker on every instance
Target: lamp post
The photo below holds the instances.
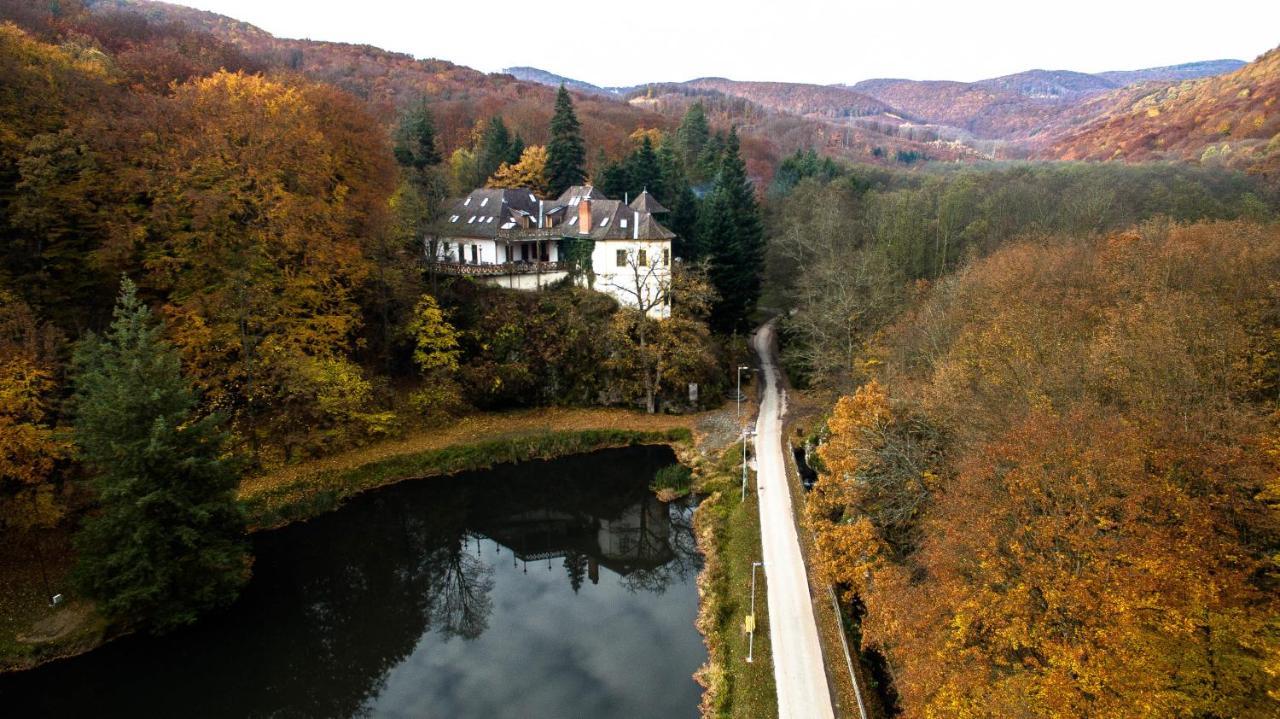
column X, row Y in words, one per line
column 738, row 396
column 746, row 434
column 751, row 640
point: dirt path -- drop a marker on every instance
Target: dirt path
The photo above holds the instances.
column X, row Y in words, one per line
column 798, row 668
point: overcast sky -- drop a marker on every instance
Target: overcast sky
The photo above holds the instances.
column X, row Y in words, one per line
column 817, row 41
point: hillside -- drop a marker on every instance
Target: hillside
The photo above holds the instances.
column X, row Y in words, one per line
column 825, row 101
column 1171, row 73
column 542, row 77
column 1231, row 119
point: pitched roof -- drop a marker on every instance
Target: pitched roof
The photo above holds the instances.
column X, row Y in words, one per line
column 488, row 213
column 483, row 212
column 646, row 202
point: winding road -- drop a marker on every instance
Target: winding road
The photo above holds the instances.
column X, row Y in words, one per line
column 798, row 670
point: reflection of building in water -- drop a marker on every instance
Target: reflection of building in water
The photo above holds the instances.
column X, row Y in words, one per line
column 637, row 538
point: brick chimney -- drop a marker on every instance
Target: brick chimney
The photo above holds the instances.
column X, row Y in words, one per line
column 584, row 216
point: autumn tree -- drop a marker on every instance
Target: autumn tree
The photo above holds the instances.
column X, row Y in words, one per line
column 30, row 447
column 261, row 209
column 167, row 542
column 436, row 351
column 530, row 172
column 566, row 153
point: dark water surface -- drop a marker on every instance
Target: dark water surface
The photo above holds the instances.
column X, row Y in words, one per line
column 550, row 589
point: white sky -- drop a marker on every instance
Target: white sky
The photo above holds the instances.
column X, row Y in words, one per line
column 816, row 41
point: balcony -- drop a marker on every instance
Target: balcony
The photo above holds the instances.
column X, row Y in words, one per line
column 463, row 269
column 530, row 234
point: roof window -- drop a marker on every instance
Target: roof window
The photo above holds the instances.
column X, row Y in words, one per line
column 453, row 218
column 484, row 202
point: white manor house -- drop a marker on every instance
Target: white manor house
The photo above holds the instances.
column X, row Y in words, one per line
column 512, row 239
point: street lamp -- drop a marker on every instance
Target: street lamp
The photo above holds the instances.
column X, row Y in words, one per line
column 746, row 434
column 738, row 397
column 751, row 621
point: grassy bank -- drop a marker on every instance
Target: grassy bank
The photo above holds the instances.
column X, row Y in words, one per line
column 269, row 505
column 31, row 632
column 728, row 532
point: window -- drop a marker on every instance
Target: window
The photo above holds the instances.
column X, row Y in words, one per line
column 666, row 258
column 466, row 202
column 573, row 220
column 623, row 223
column 471, row 219
column 475, row 254
column 642, row 257
column 484, row 202
column 453, row 218
column 508, row 225
column 622, row 258
column 605, row 223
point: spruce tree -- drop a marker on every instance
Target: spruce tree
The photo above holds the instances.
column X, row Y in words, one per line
column 168, row 541
column 731, row 234
column 692, row 137
column 566, row 153
column 679, row 198
column 495, row 148
column 643, row 172
column 415, row 139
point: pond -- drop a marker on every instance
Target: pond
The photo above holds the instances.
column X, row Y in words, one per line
column 546, row 589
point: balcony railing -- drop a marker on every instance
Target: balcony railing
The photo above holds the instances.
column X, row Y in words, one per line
column 499, row 269
column 531, row 233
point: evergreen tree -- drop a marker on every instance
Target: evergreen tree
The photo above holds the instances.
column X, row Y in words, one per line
column 731, row 234
column 566, row 153
column 495, row 148
column 516, row 151
column 692, row 137
column 168, row 541
column 708, row 164
column 643, row 172
column 679, row 198
column 415, row 139
column 614, row 180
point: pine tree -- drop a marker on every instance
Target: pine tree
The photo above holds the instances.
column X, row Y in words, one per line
column 692, row 137
column 415, row 138
column 516, row 151
column 679, row 198
column 643, row 172
column 168, row 540
column 495, row 147
column 566, row 153
column 613, row 180
column 731, row 235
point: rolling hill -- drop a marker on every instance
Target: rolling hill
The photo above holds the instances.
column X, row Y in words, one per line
column 1232, row 119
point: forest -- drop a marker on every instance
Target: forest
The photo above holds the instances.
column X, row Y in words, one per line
column 253, row 237
column 1048, row 479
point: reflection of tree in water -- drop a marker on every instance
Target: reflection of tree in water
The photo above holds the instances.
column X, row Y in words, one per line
column 676, row 542
column 460, row 598
column 338, row 602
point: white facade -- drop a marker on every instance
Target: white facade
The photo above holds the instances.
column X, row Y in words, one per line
column 637, row 273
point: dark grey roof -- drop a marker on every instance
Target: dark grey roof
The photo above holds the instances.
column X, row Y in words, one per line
column 646, row 202
column 490, row 212
column 484, row 212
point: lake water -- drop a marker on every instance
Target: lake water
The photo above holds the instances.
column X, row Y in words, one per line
column 548, row 589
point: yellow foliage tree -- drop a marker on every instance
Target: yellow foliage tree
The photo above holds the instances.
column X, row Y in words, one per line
column 529, row 173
